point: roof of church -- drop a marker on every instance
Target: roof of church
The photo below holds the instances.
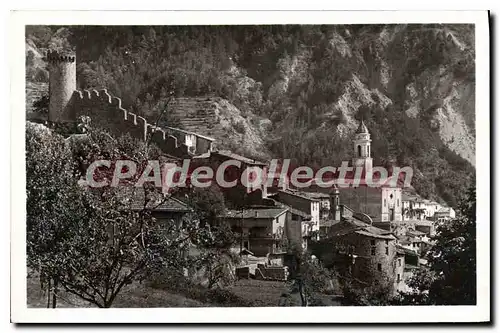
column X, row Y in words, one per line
column 362, row 129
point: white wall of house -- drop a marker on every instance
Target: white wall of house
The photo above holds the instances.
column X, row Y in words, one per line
column 315, row 215
column 190, row 140
column 392, row 206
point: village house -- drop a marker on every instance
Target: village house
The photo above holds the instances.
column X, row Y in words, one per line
column 258, row 230
column 444, row 214
column 416, row 208
column 242, row 194
column 324, row 203
column 304, row 208
column 165, row 208
column 407, row 264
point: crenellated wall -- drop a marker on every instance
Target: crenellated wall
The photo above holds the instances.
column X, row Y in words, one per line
column 107, row 112
column 67, row 104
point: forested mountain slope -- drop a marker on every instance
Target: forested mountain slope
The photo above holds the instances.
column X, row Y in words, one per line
column 300, row 90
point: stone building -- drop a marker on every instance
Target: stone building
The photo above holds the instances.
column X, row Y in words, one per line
column 260, row 231
column 366, row 252
column 248, row 190
column 417, row 208
column 444, row 214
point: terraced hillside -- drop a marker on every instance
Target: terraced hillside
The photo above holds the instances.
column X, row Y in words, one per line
column 216, row 117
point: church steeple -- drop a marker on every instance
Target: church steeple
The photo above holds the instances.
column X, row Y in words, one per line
column 362, row 148
column 362, row 129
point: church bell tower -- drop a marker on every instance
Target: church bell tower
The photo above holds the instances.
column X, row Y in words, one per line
column 362, row 149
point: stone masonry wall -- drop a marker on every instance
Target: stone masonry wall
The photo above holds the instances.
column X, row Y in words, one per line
column 62, row 83
column 366, row 266
column 106, row 112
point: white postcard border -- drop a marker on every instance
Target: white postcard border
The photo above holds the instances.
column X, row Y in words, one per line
column 21, row 314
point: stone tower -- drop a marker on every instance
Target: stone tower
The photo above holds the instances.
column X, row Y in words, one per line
column 335, row 204
column 62, row 84
column 362, row 149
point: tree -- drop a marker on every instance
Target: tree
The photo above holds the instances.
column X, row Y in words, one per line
column 451, row 277
column 208, row 203
column 88, row 241
column 48, row 218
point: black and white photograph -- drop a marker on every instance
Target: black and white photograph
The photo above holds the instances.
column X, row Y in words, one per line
column 214, row 167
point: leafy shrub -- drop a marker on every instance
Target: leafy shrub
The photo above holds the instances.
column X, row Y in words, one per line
column 239, row 127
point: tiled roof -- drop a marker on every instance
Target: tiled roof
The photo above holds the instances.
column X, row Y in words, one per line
column 348, row 226
column 135, row 199
column 234, row 156
column 316, row 195
column 327, row 223
column 292, row 210
column 369, row 234
column 402, row 249
column 265, row 213
column 298, row 212
column 300, row 194
column 415, row 233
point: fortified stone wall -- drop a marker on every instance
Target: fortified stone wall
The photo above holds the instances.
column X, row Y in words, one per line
column 106, row 112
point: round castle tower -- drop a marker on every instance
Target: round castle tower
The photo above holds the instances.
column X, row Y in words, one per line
column 62, row 84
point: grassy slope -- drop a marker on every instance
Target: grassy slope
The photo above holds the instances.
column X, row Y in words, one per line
column 134, row 296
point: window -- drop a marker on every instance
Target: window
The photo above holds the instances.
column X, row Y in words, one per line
column 399, row 278
column 379, row 267
column 245, row 244
column 373, row 251
column 372, row 242
column 399, row 262
column 359, row 151
column 385, row 202
column 368, row 151
column 387, row 250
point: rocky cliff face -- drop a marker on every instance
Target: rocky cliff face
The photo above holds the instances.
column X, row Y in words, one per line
column 425, row 71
